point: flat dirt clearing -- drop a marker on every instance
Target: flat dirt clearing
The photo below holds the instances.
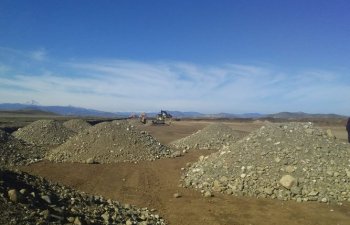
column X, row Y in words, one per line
column 152, row 184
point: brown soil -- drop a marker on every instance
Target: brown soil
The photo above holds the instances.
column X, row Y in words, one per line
column 152, row 184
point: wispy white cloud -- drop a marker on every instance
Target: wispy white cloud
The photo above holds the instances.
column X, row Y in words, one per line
column 124, row 85
column 39, row 54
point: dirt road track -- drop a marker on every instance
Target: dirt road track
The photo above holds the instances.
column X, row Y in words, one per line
column 152, row 184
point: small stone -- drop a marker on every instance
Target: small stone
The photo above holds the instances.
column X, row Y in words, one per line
column 70, row 219
column 313, row 193
column 46, row 198
column 177, row 195
column 295, row 190
column 45, row 213
column 128, row 222
column 105, row 216
column 288, row 181
column 78, row 221
column 13, row 195
column 208, row 194
column 177, row 154
column 90, row 161
column 23, row 191
column 268, row 191
column 324, row 200
column 290, row 169
column 277, row 160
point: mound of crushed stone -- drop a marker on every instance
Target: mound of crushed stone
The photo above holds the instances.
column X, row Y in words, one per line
column 77, row 125
column 44, row 133
column 16, row 152
column 110, row 142
column 213, row 136
column 291, row 161
column 25, row 199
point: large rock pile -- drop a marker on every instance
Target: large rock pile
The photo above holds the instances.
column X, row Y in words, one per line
column 16, row 152
column 285, row 161
column 25, row 199
column 44, row 133
column 109, row 142
column 77, row 125
column 213, row 136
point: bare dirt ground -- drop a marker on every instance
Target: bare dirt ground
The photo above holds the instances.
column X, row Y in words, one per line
column 152, row 184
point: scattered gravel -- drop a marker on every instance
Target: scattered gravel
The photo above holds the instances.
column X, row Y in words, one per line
column 44, row 133
column 25, row 199
column 16, row 152
column 291, row 161
column 214, row 136
column 110, row 142
column 77, row 125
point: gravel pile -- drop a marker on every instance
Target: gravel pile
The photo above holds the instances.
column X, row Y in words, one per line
column 25, row 199
column 291, row 161
column 44, row 133
column 213, row 136
column 77, row 125
column 110, row 142
column 16, row 152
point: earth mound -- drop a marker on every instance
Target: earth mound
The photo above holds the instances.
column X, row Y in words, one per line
column 44, row 133
column 213, row 136
column 291, row 161
column 25, row 199
column 16, row 152
column 77, row 125
column 110, row 142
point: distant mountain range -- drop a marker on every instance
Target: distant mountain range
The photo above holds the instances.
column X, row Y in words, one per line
column 299, row 115
column 60, row 110
column 78, row 111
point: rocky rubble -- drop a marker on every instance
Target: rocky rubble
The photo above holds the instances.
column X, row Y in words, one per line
column 109, row 142
column 291, row 161
column 25, row 199
column 44, row 133
column 77, row 125
column 214, row 136
column 16, row 152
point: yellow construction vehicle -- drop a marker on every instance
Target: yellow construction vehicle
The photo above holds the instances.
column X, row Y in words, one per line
column 161, row 117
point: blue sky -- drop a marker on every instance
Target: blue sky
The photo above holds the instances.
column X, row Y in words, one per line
column 207, row 56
